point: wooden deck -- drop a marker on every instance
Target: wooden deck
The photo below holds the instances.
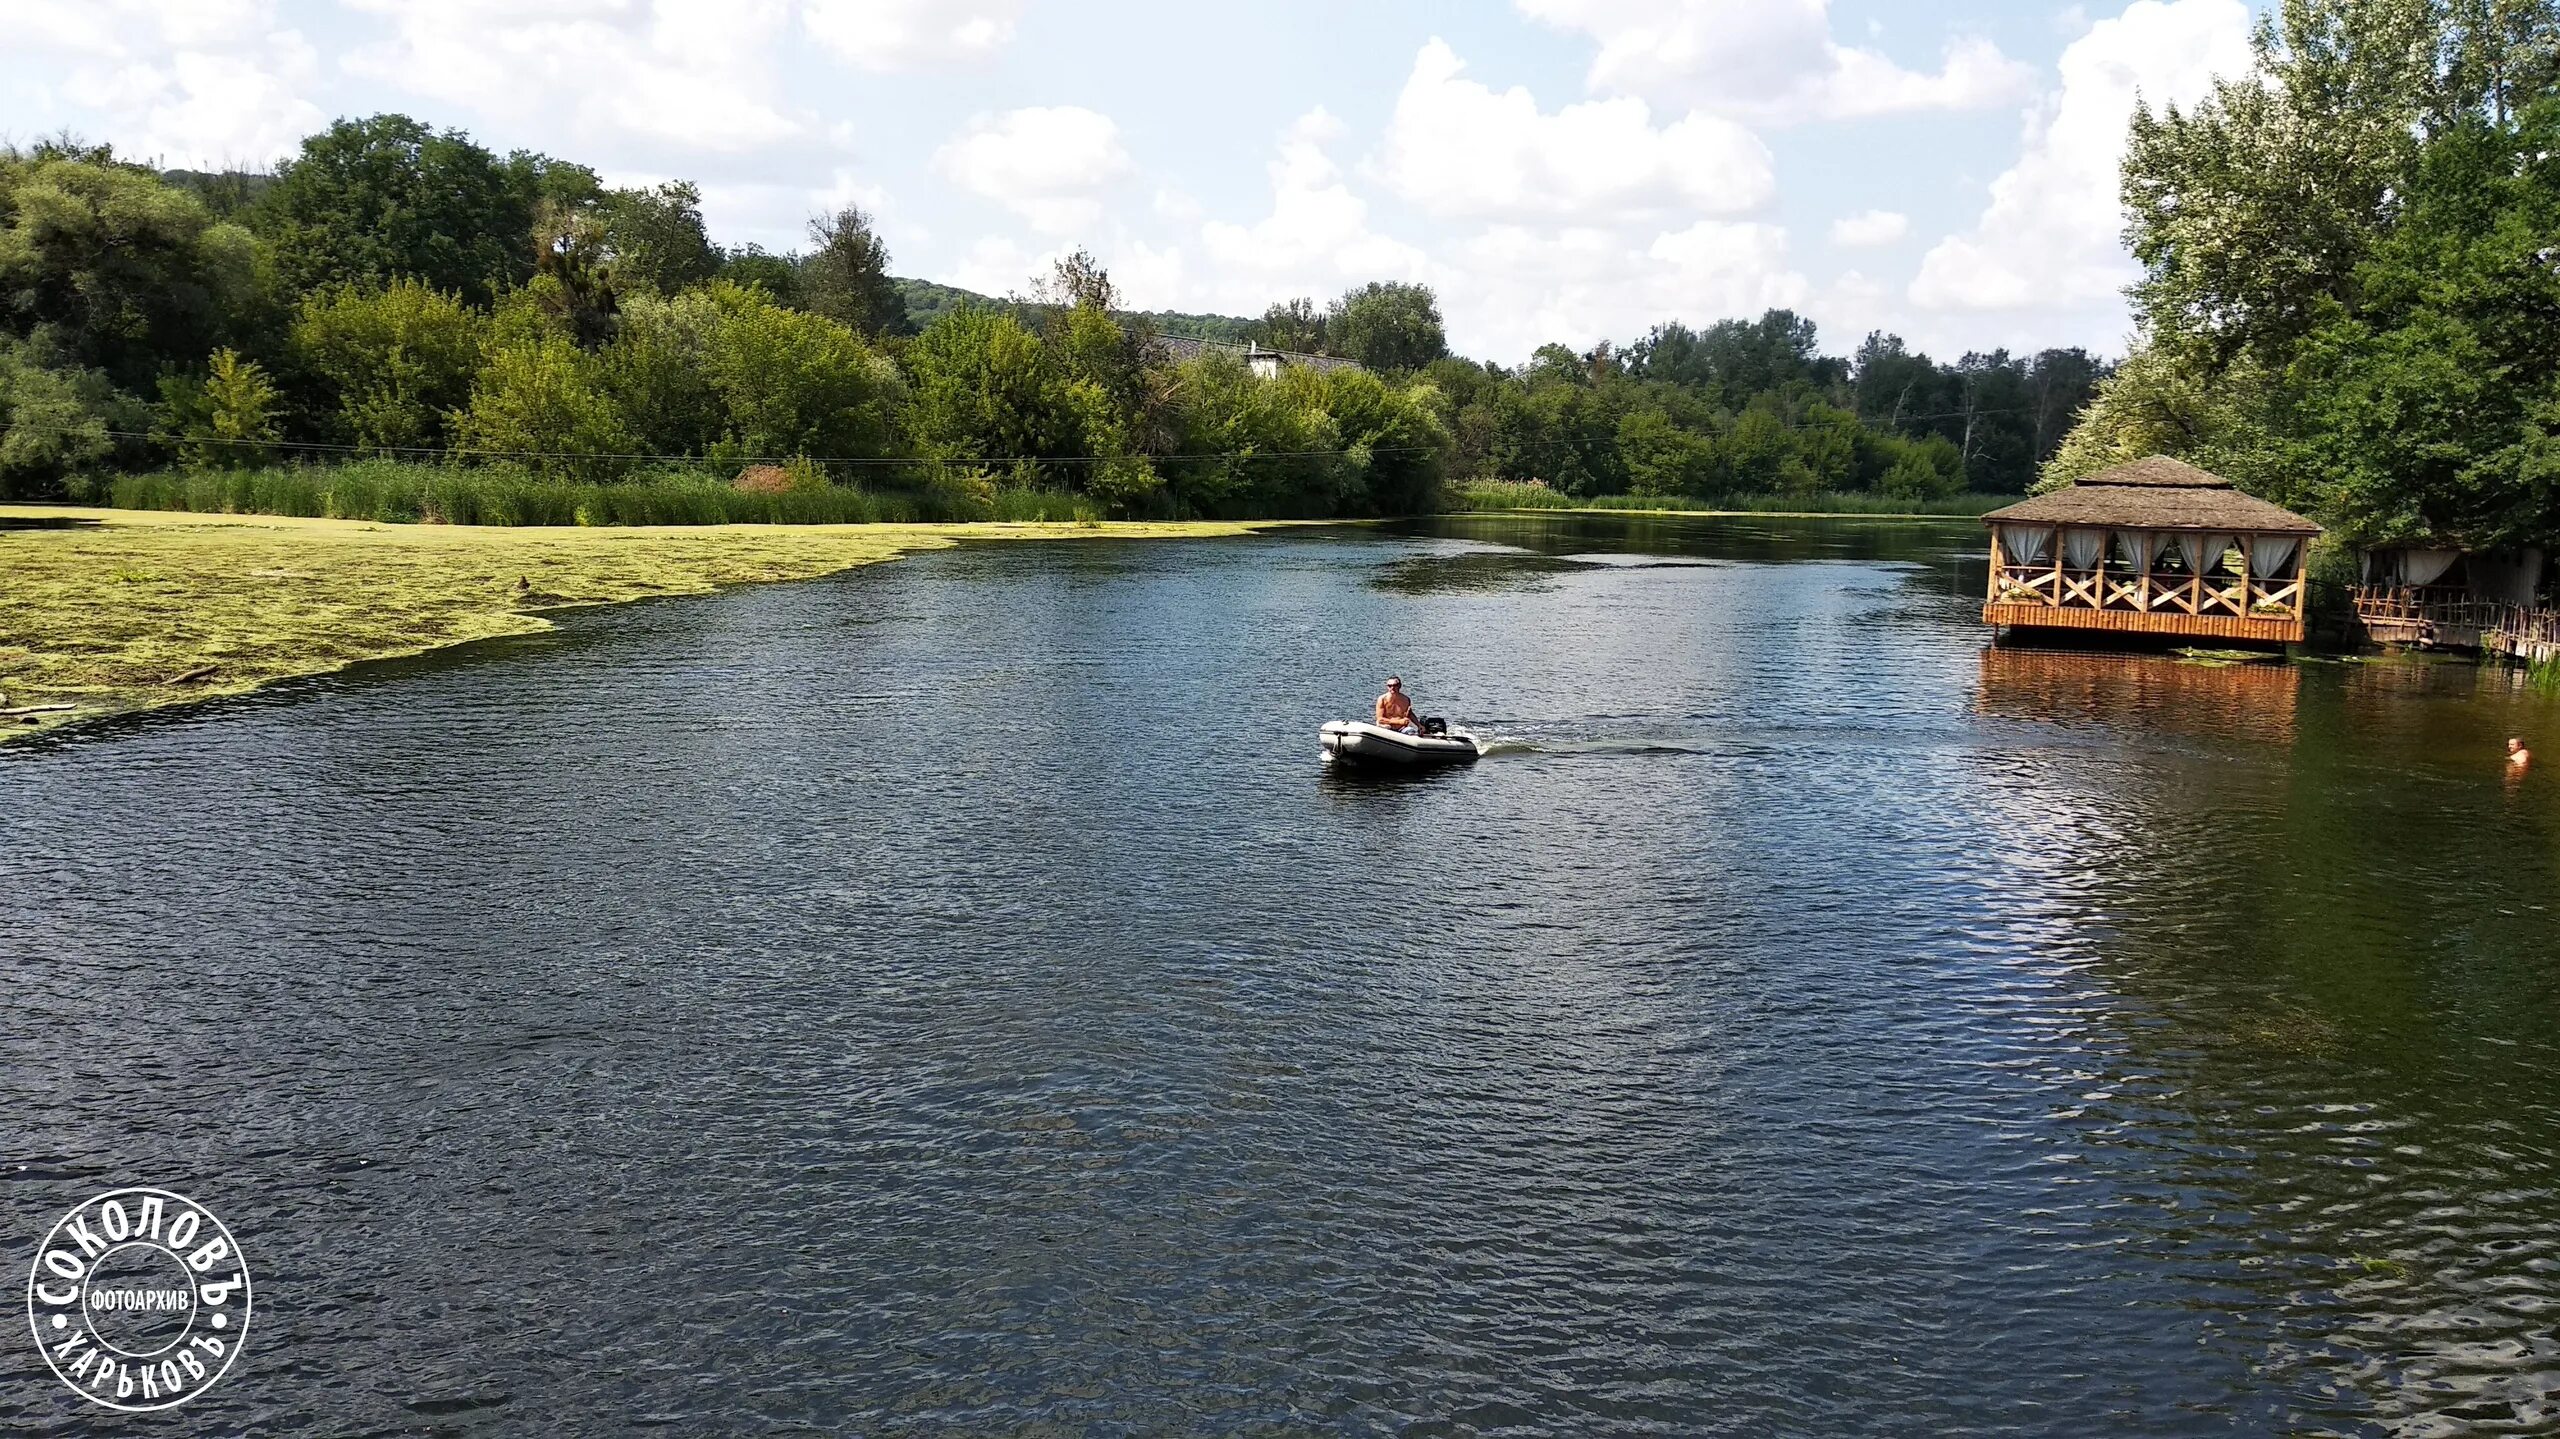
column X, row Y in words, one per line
column 2220, row 606
column 2171, row 624
column 2429, row 618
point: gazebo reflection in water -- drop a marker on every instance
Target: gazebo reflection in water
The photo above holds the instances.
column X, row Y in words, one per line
column 2213, row 701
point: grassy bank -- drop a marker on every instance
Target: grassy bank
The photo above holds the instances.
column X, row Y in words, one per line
column 1500, row 496
column 115, row 611
column 403, row 492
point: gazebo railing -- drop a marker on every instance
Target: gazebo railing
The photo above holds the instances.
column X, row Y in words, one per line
column 2451, row 608
column 2221, row 594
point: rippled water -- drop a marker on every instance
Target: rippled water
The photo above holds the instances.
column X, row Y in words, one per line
column 951, row 997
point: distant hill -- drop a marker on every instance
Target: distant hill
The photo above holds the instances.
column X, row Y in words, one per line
column 927, row 301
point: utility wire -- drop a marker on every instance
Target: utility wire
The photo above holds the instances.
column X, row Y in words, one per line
column 891, row 461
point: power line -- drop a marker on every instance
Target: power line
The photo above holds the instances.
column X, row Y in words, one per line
column 451, row 452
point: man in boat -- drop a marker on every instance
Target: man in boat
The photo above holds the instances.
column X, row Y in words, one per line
column 1395, row 712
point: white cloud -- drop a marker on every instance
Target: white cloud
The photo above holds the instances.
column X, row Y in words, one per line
column 1511, row 288
column 1871, row 230
column 2051, row 234
column 1047, row 163
column 1317, row 238
column 202, row 85
column 901, row 34
column 620, row 78
column 1772, row 60
column 1458, row 149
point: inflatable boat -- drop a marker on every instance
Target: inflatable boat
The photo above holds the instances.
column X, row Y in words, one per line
column 1351, row 742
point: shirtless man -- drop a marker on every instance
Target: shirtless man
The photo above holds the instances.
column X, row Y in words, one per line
column 2517, row 755
column 1395, row 712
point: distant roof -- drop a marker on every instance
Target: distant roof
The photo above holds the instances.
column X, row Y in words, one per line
column 1180, row 348
column 2156, row 494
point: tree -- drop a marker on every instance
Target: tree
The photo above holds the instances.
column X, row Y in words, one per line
column 541, row 403
column 792, row 383
column 1396, row 445
column 1293, row 325
column 776, row 275
column 1387, row 327
column 573, row 275
column 375, row 200
column 655, row 237
column 846, row 276
column 57, row 417
column 2430, row 408
column 397, row 359
column 982, row 389
column 230, row 418
column 124, row 273
column 2256, row 205
column 1250, row 446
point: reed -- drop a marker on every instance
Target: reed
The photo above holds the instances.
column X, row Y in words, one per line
column 398, row 492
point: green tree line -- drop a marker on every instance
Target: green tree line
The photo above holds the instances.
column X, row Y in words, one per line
column 2351, row 274
column 397, row 290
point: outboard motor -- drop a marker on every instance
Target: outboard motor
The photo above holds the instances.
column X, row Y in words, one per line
column 1435, row 727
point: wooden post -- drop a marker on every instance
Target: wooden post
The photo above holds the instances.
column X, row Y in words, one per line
column 2246, row 543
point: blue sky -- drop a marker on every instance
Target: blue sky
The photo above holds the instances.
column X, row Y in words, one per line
column 1567, row 170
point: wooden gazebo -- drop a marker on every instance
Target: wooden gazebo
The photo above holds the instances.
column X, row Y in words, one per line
column 2155, row 547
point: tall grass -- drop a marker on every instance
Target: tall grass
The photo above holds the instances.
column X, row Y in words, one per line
column 1500, row 495
column 400, row 492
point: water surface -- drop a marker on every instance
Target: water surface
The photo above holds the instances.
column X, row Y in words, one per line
column 951, row 997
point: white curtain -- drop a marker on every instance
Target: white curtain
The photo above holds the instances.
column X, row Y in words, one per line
column 2271, row 556
column 2027, row 544
column 2203, row 553
column 2140, row 546
column 2082, row 549
column 2425, row 567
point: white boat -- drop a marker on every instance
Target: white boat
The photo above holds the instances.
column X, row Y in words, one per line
column 1352, row 742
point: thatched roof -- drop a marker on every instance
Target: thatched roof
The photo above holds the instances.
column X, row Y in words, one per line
column 2156, row 494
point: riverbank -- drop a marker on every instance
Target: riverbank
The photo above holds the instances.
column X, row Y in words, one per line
column 117, row 611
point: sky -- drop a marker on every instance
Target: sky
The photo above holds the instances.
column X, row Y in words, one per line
column 1557, row 170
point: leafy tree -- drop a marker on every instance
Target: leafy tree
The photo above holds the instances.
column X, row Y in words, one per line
column 981, row 388
column 846, row 276
column 792, row 383
column 124, row 273
column 1387, row 327
column 776, row 275
column 57, row 417
column 1397, row 445
column 1270, row 446
column 375, row 200
column 656, row 239
column 541, row 402
column 573, row 276
column 1664, row 457
column 658, row 372
column 2430, row 409
column 230, row 419
column 396, row 359
column 2257, row 205
column 1293, row 325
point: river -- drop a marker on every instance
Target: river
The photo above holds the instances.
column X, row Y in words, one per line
column 951, row 997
